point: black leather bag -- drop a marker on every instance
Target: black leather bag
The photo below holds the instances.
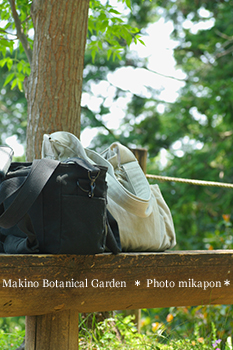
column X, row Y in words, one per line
column 56, row 208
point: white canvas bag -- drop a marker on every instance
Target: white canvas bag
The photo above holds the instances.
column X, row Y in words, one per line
column 144, row 219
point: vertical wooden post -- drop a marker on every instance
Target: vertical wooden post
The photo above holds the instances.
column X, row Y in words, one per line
column 141, row 155
column 54, row 331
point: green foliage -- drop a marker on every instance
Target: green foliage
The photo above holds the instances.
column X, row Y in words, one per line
column 12, row 332
column 139, row 16
column 196, row 130
column 106, row 25
column 107, row 44
column 188, row 328
column 200, row 121
column 111, row 31
column 197, row 327
column 114, row 333
column 222, row 237
column 201, row 328
column 8, row 37
column 21, row 69
column 8, row 324
column 13, row 104
column 11, row 340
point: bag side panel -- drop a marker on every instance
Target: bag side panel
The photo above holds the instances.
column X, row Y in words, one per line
column 83, row 225
column 153, row 233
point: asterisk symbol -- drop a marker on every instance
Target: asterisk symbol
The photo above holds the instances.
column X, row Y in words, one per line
column 137, row 283
column 227, row 283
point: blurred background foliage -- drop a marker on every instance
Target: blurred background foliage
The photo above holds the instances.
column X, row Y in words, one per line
column 189, row 138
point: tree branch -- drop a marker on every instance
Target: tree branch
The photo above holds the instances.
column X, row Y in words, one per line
column 164, row 75
column 138, row 95
column 99, row 123
column 224, row 36
column 224, row 53
column 20, row 34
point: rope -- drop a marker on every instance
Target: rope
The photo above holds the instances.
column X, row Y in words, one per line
column 190, row 181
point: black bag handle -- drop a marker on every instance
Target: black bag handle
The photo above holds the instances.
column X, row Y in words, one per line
column 28, row 191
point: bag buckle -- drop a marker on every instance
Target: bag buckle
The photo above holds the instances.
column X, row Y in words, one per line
column 92, row 184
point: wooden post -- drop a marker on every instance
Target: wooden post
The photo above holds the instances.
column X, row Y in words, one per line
column 54, row 331
column 141, row 155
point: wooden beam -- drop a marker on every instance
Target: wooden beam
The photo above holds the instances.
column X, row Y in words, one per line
column 42, row 284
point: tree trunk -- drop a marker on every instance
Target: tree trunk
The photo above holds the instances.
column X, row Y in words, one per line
column 54, row 87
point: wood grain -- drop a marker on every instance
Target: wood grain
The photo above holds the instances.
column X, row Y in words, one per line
column 52, row 331
column 175, row 278
column 54, row 87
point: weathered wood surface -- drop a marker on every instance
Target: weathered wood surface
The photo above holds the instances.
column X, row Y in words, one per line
column 52, row 331
column 185, row 278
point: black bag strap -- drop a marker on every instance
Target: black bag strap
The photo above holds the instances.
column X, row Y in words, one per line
column 28, row 191
column 113, row 242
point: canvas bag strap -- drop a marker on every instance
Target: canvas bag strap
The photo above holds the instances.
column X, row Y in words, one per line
column 137, row 203
column 39, row 175
column 134, row 174
column 136, row 200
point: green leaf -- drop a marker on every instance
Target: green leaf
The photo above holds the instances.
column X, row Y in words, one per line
column 26, row 68
column 9, row 63
column 118, row 56
column 14, row 83
column 100, row 45
column 109, row 53
column 20, row 76
column 20, row 85
column 9, row 78
column 114, row 11
column 117, row 20
column 134, row 30
column 128, row 3
column 3, row 62
column 142, row 42
column 20, row 66
column 103, row 26
column 5, row 42
column 93, row 53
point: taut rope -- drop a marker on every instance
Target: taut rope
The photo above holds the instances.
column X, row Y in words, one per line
column 189, row 181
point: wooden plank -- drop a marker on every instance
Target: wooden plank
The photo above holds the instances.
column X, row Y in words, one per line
column 41, row 284
column 52, row 331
